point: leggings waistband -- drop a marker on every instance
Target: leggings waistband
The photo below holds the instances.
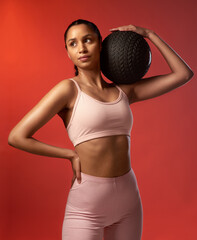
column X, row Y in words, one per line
column 105, row 179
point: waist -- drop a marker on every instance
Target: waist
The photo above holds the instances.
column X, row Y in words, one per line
column 106, row 156
column 106, row 179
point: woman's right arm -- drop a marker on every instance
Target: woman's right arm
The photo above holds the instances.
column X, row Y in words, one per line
column 21, row 135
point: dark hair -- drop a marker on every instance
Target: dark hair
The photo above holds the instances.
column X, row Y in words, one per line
column 88, row 23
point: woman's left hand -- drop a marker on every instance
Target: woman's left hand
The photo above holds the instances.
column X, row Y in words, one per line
column 140, row 30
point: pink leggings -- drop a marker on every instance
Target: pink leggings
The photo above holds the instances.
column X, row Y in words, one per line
column 103, row 207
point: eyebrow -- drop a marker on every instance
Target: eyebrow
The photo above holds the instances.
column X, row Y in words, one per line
column 83, row 37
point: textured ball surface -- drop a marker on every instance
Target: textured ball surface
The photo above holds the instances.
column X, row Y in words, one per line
column 125, row 57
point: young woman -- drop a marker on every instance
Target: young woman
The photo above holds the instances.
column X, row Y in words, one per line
column 104, row 199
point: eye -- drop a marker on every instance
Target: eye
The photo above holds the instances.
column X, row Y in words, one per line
column 72, row 43
column 88, row 39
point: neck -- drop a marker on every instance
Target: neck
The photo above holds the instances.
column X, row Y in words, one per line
column 91, row 78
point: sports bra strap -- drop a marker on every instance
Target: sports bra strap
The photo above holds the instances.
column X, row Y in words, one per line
column 118, row 87
column 77, row 85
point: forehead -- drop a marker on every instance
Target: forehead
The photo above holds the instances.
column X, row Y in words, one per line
column 79, row 31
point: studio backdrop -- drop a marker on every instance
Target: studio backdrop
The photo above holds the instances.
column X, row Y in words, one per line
column 34, row 188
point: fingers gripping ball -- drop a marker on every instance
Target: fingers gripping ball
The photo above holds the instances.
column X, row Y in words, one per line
column 125, row 57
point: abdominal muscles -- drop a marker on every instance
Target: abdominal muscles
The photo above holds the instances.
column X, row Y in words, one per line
column 105, row 156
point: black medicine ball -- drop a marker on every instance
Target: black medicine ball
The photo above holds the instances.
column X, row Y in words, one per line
column 125, row 57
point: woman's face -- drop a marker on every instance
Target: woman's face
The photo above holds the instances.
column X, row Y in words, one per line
column 82, row 40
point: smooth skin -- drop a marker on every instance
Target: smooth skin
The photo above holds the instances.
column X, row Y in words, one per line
column 107, row 156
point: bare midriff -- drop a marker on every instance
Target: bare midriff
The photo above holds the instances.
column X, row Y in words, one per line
column 105, row 156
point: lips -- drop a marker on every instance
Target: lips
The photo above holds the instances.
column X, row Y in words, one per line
column 84, row 57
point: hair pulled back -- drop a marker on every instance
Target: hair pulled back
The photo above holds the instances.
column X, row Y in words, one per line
column 89, row 24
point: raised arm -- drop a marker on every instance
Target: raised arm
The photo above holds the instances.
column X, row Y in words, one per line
column 21, row 135
column 155, row 86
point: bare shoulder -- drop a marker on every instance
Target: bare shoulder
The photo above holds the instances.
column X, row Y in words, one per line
column 60, row 95
column 68, row 88
column 67, row 84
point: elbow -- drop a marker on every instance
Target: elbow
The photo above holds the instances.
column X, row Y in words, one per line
column 17, row 139
column 13, row 139
column 189, row 75
column 185, row 76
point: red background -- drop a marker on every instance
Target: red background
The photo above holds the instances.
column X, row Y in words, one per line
column 163, row 140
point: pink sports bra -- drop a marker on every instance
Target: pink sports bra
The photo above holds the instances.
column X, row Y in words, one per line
column 92, row 118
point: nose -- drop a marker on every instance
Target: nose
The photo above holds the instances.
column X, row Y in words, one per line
column 82, row 48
